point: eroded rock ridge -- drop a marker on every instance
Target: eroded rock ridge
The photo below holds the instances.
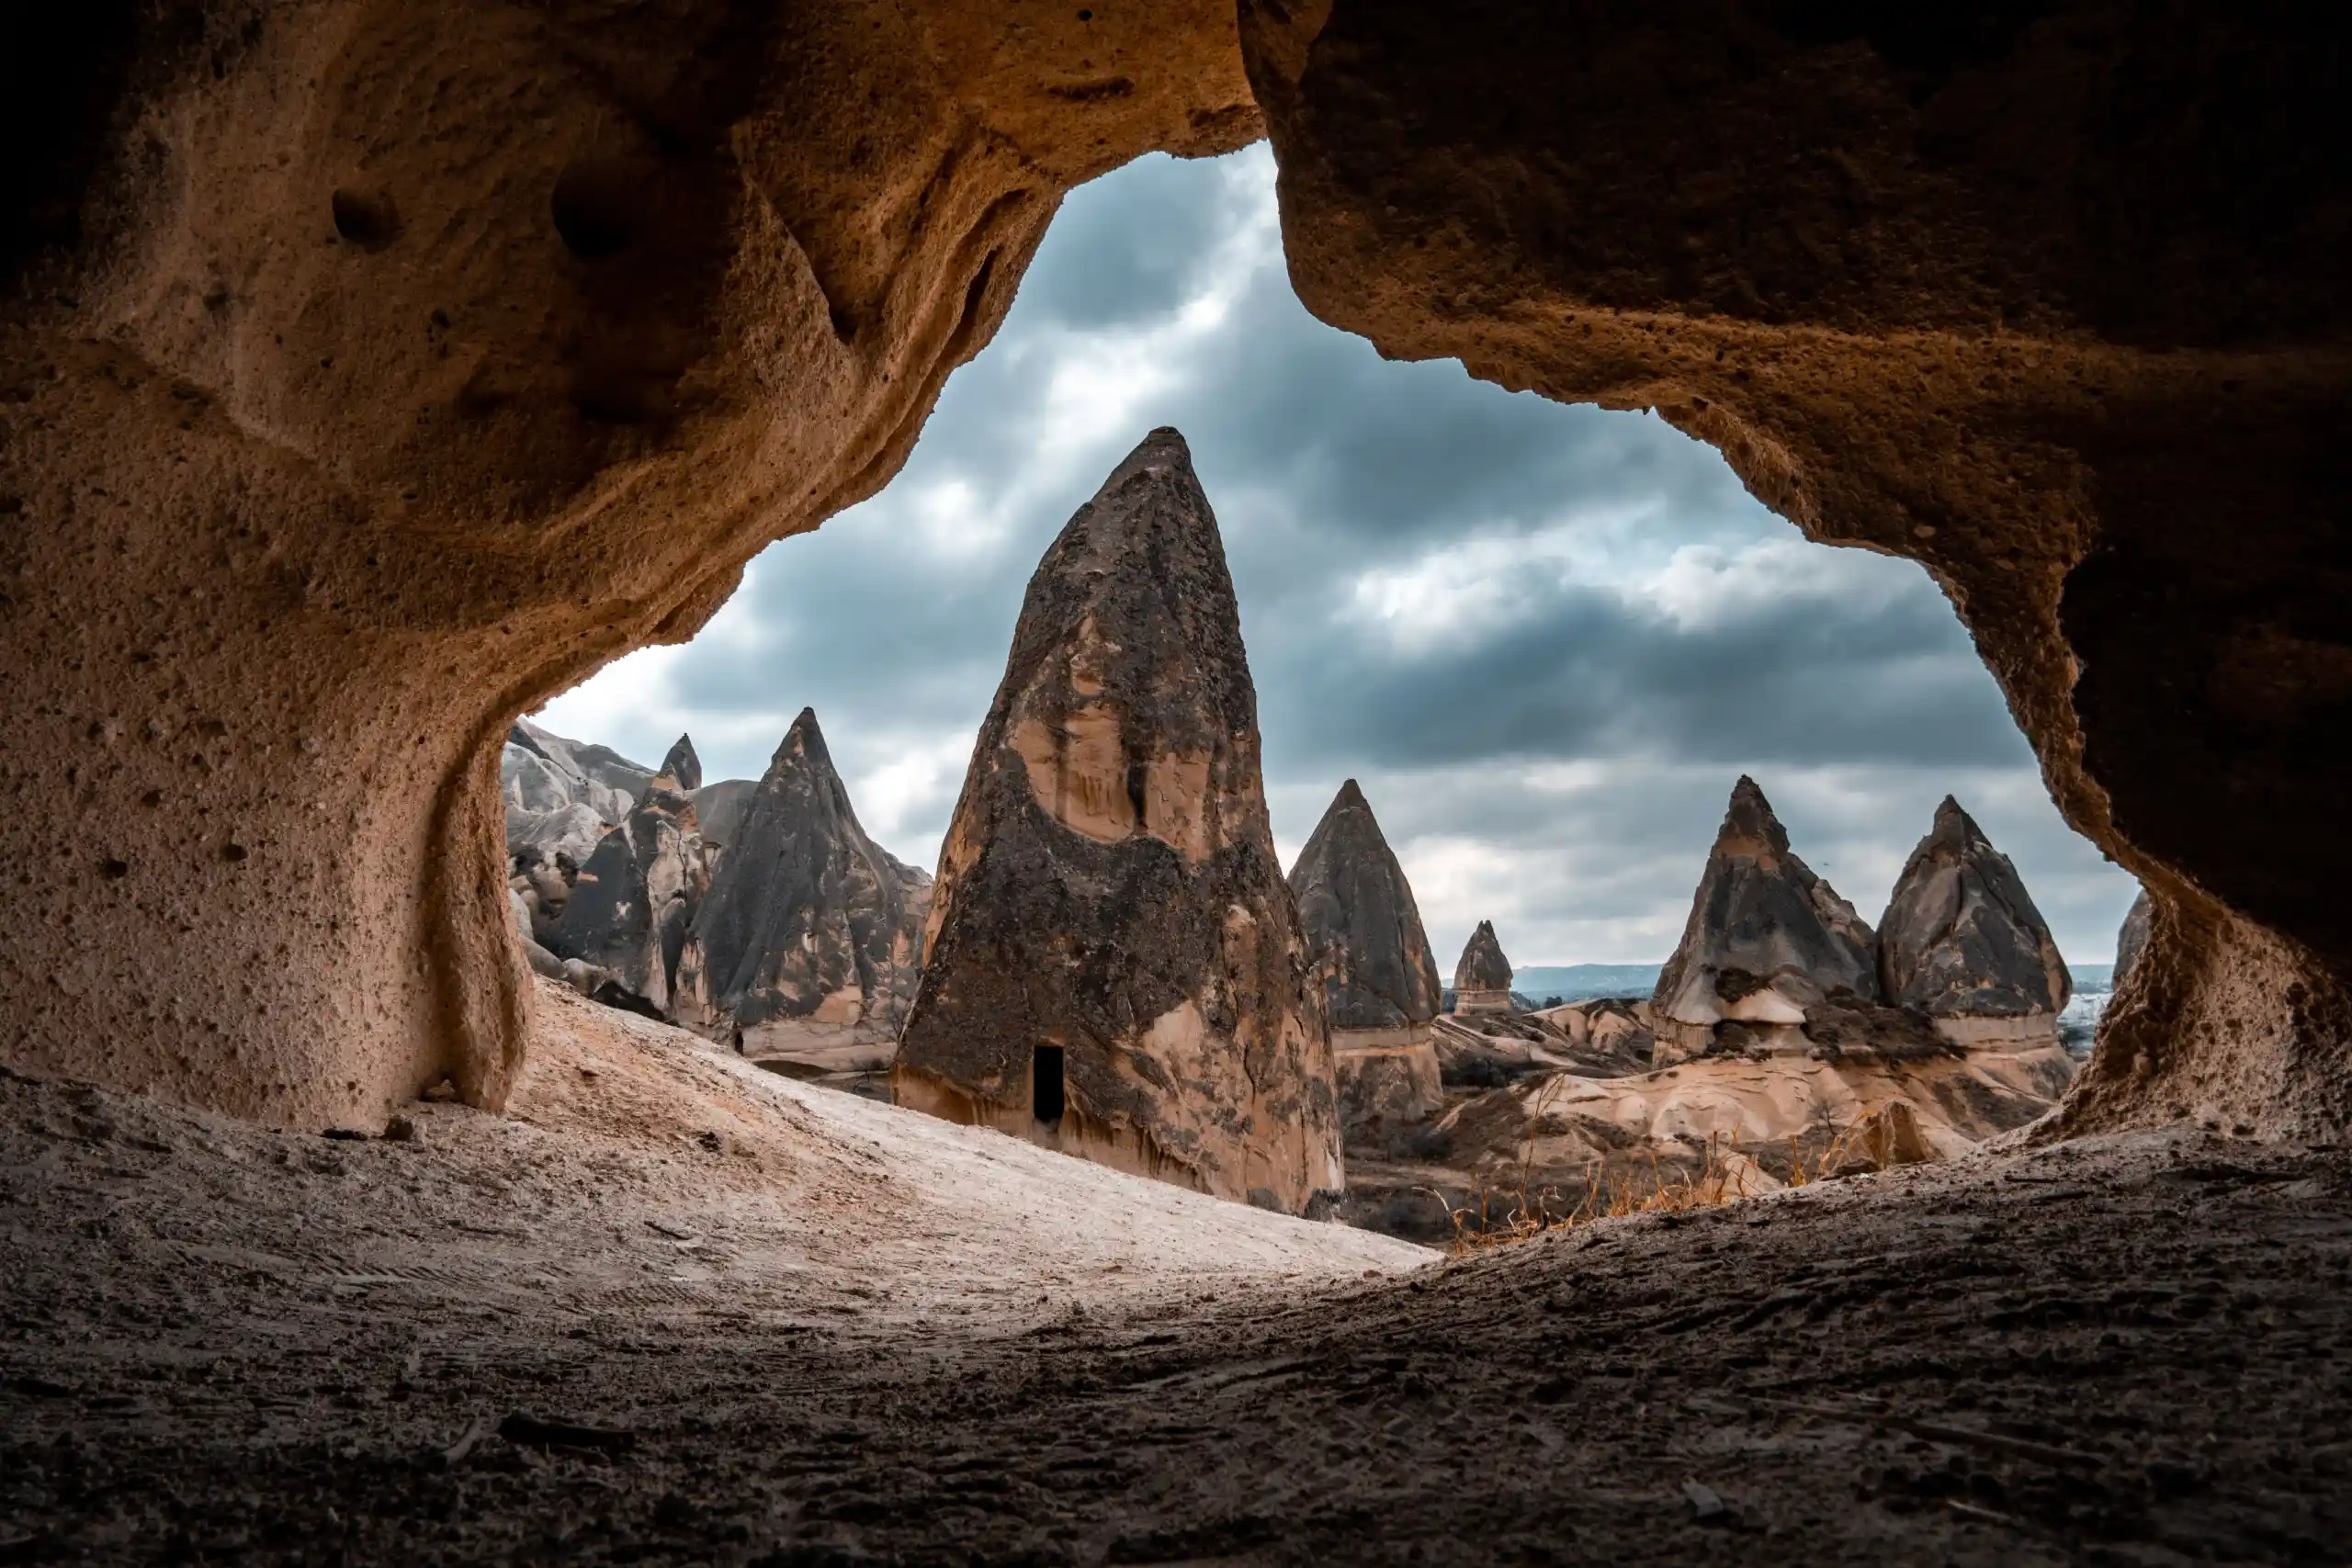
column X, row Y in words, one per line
column 1114, row 965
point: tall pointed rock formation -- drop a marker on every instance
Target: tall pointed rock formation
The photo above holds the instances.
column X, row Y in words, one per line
column 1767, row 941
column 1482, row 975
column 636, row 896
column 1961, row 942
column 1114, row 967
column 1380, row 984
column 682, row 767
column 809, row 943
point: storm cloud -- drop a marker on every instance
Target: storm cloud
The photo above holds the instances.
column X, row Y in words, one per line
column 1546, row 639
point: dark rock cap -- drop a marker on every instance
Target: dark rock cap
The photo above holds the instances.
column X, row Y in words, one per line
column 1766, row 939
column 1960, row 936
column 1483, row 966
column 1111, row 923
column 1362, row 923
column 682, row 767
column 805, row 917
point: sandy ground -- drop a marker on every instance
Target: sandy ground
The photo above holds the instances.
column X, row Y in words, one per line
column 814, row 1330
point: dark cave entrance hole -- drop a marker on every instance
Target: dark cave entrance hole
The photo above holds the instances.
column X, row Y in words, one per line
column 1046, row 1089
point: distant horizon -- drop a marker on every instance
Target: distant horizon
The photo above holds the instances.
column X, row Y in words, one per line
column 1517, row 969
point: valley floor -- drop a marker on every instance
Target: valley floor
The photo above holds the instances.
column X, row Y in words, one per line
column 810, row 1330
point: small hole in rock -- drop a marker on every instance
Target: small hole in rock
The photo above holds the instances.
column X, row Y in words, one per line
column 365, row 219
column 594, row 208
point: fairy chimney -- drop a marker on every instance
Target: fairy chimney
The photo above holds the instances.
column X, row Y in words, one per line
column 1114, row 966
column 1380, row 984
column 1482, row 977
column 1765, row 942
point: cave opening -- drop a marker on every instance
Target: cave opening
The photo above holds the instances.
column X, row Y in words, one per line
column 346, row 431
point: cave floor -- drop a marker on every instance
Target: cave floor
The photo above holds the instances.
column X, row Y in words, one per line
column 809, row 1330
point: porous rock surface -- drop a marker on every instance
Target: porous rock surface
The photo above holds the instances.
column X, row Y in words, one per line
column 1767, row 941
column 1108, row 898
column 1995, row 291
column 1482, row 975
column 1961, row 942
column 809, row 943
column 1380, row 982
column 376, row 370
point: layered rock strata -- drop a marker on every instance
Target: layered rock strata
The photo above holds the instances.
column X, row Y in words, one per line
column 634, row 900
column 1380, row 983
column 1767, row 942
column 1482, row 975
column 807, row 946
column 1961, row 942
column 1114, row 965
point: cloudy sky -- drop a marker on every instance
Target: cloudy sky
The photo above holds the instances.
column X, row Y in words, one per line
column 1546, row 639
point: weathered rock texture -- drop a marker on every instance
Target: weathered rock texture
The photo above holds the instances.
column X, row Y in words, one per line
column 1114, row 965
column 636, row 898
column 1961, row 942
column 562, row 794
column 1482, row 975
column 1380, row 984
column 375, row 369
column 1766, row 943
column 808, row 945
column 2047, row 297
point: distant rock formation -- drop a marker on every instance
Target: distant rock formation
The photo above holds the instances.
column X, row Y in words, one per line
column 1114, row 967
column 2132, row 940
column 682, row 767
column 809, row 943
column 634, row 899
column 1767, row 941
column 1380, row 984
column 719, row 808
column 561, row 796
column 1482, row 976
column 1961, row 942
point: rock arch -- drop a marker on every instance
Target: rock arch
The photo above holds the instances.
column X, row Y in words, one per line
column 371, row 370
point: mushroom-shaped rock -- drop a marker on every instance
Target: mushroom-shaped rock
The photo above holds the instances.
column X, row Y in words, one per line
column 1482, row 976
column 808, row 945
column 1765, row 942
column 634, row 898
column 1961, row 942
column 1380, row 983
column 1114, row 965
